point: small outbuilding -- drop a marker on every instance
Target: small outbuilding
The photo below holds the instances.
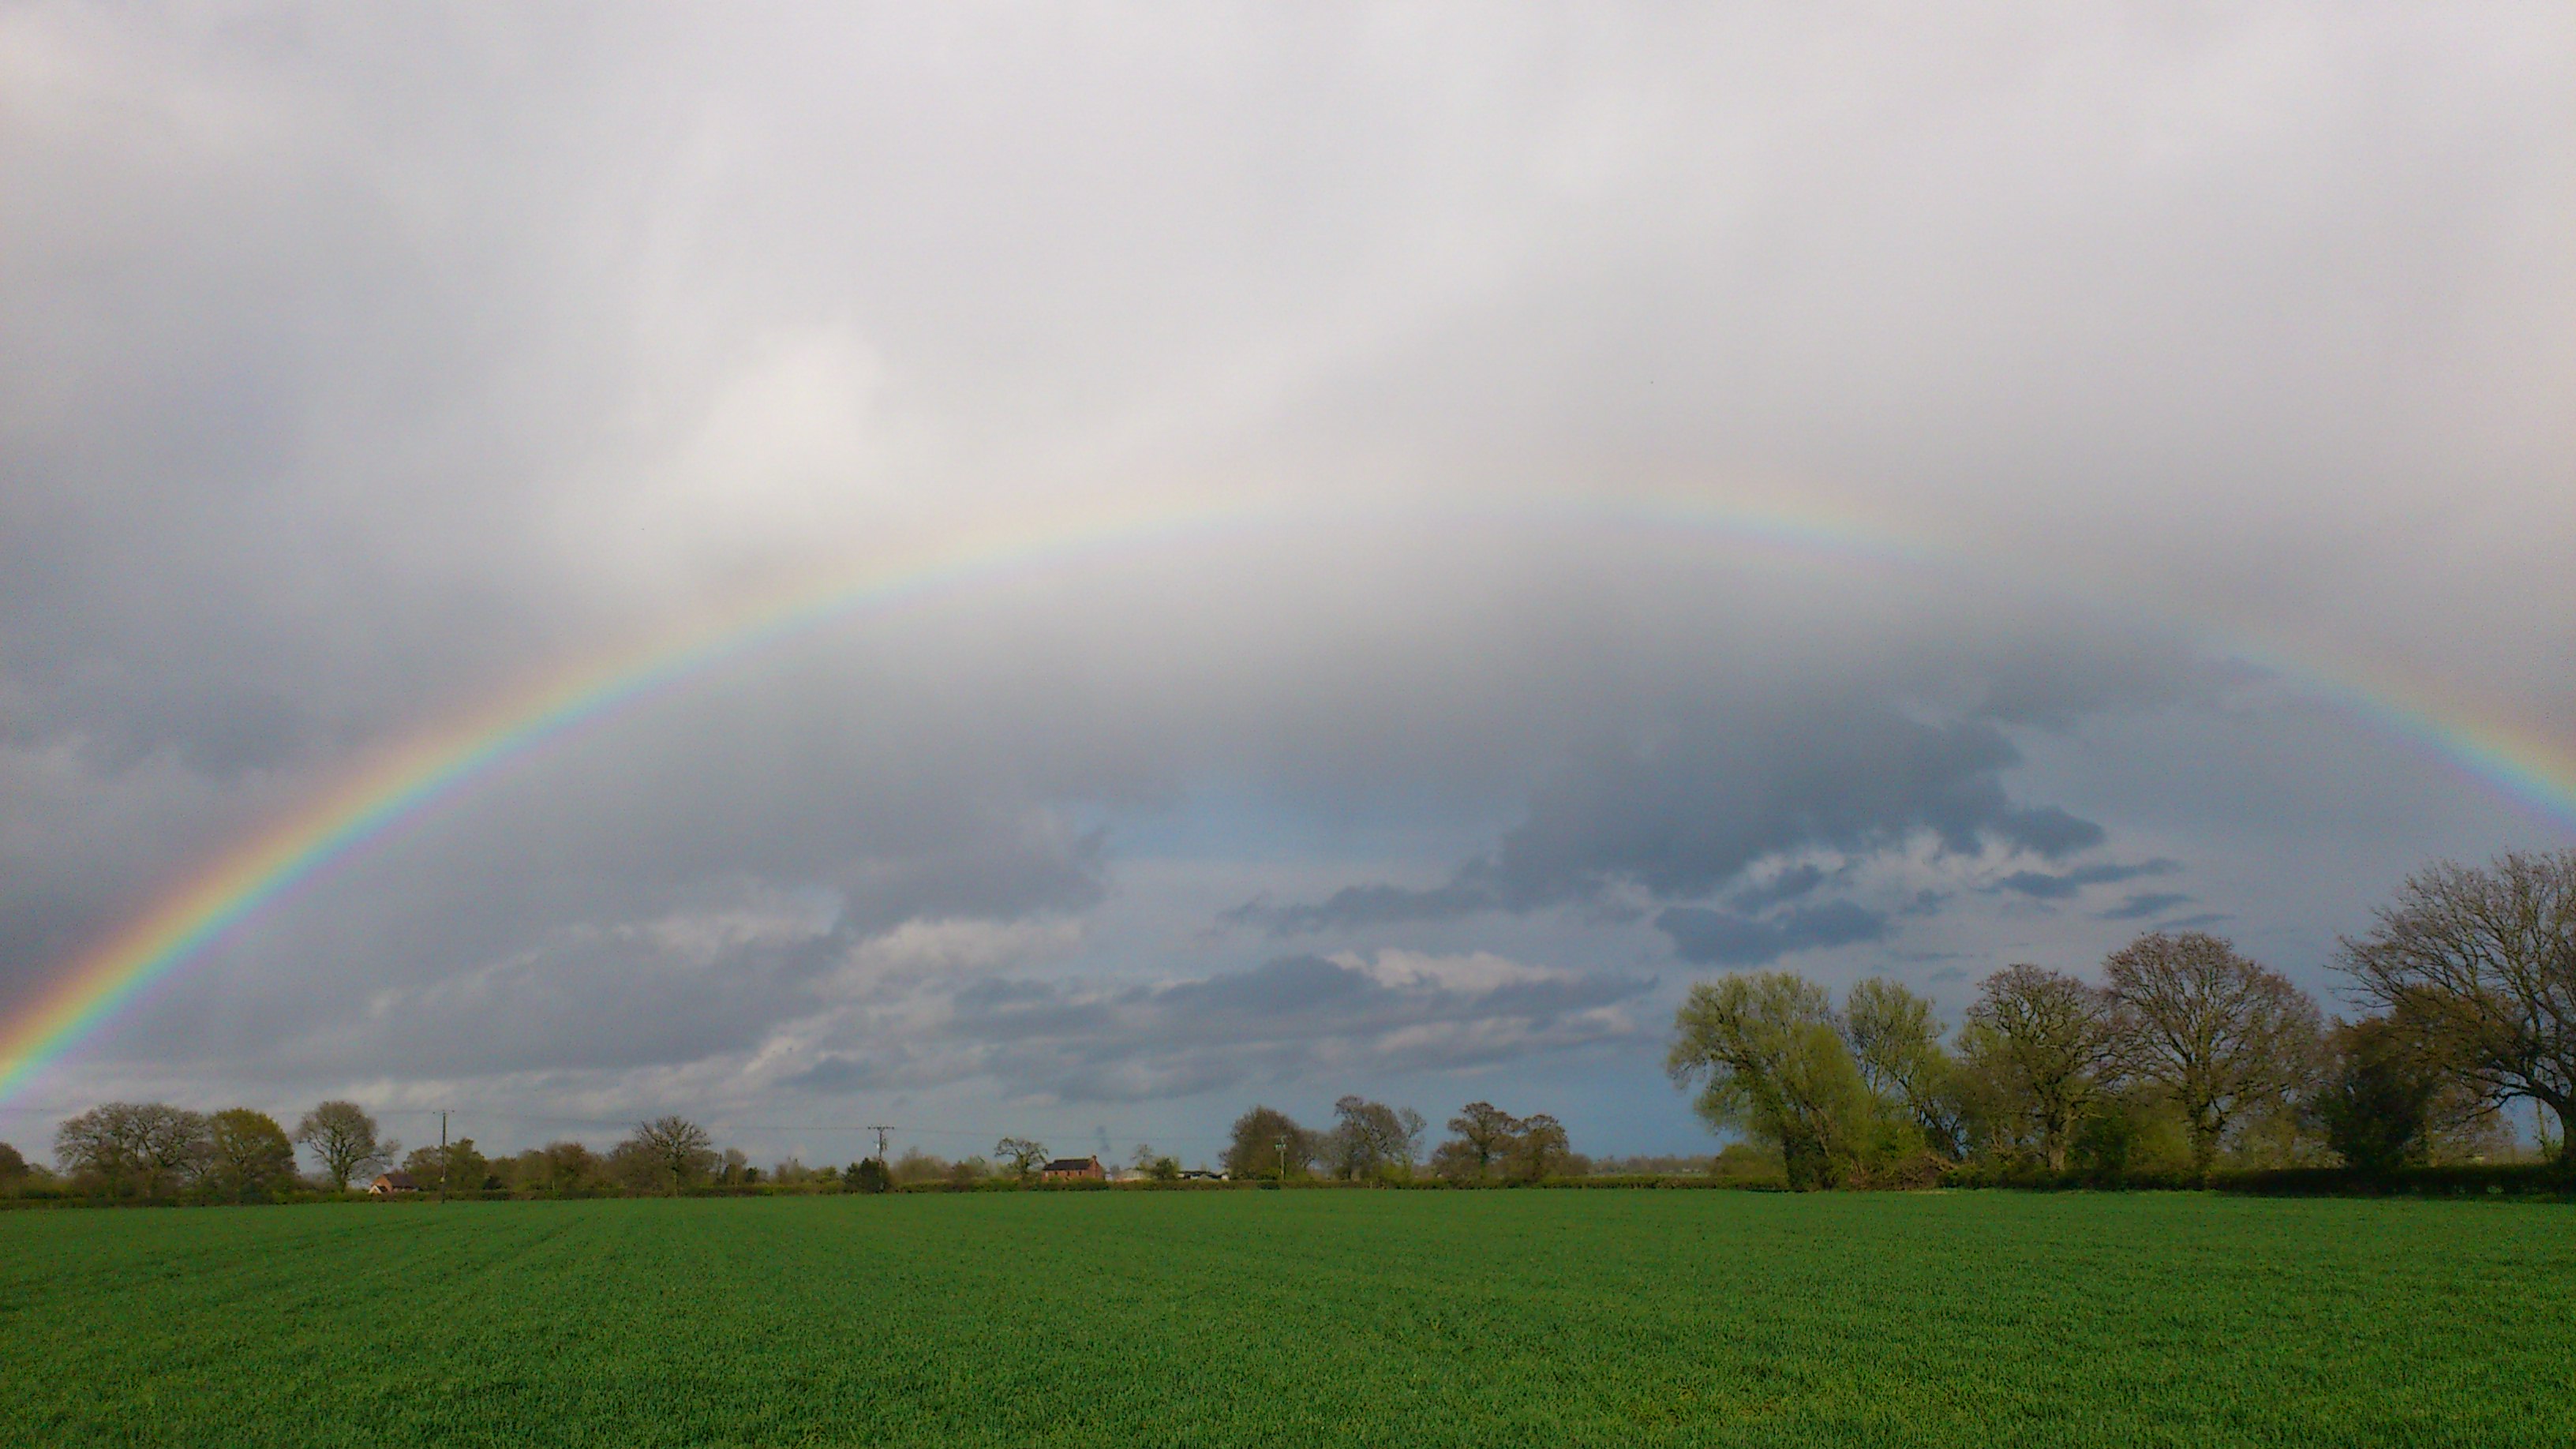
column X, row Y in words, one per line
column 392, row 1184
column 1074, row 1169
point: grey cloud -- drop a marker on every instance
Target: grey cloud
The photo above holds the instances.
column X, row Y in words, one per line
column 1725, row 938
column 1696, row 812
column 353, row 377
column 2066, row 885
column 1787, row 885
column 1282, row 1020
column 2142, row 905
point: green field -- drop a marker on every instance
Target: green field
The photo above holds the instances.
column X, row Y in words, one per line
column 1297, row 1318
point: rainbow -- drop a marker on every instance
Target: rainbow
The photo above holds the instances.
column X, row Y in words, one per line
column 264, row 869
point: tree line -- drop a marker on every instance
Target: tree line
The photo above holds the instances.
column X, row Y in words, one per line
column 2186, row 1053
column 2187, row 1056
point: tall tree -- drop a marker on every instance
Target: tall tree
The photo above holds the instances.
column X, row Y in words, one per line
column 2215, row 1034
column 2377, row 1102
column 1541, row 1150
column 1371, row 1139
column 2044, row 1051
column 456, row 1167
column 679, row 1149
column 1023, row 1155
column 562, row 1167
column 2481, row 962
column 1770, row 1055
column 13, row 1167
column 343, row 1137
column 1895, row 1040
column 1485, row 1135
column 248, row 1154
column 145, row 1148
column 1266, row 1142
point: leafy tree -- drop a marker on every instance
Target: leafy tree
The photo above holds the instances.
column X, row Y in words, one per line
column 13, row 1167
column 868, row 1175
column 1486, row 1134
column 1371, row 1139
column 2043, row 1051
column 916, row 1165
column 343, row 1137
column 1024, row 1155
column 2218, row 1035
column 1257, row 1141
column 567, row 1167
column 2386, row 1101
column 1895, row 1040
column 457, row 1167
column 2480, row 964
column 1539, row 1150
column 1770, row 1053
column 635, row 1167
column 248, row 1154
column 145, row 1148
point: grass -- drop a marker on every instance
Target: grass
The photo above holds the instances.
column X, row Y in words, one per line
column 1297, row 1318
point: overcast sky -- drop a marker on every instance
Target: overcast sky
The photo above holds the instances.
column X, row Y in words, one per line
column 2202, row 376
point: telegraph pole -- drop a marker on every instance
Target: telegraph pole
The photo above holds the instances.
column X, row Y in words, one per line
column 1283, row 1159
column 442, row 1154
column 882, row 1133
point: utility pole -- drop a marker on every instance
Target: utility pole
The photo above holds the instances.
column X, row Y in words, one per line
column 442, row 1154
column 1283, row 1159
column 882, row 1133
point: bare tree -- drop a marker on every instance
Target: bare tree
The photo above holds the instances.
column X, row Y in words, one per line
column 679, row 1149
column 2044, row 1050
column 1372, row 1139
column 1025, row 1155
column 134, row 1147
column 343, row 1136
column 2482, row 962
column 2216, row 1034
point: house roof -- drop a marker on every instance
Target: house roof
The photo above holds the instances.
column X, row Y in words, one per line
column 1072, row 1164
column 397, row 1179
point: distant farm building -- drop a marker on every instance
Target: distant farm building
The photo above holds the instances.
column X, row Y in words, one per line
column 392, row 1184
column 1074, row 1169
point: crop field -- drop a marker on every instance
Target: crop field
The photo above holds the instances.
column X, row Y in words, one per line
column 1297, row 1318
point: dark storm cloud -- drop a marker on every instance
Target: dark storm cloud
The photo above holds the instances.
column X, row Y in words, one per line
column 2066, row 885
column 1692, row 814
column 1725, row 938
